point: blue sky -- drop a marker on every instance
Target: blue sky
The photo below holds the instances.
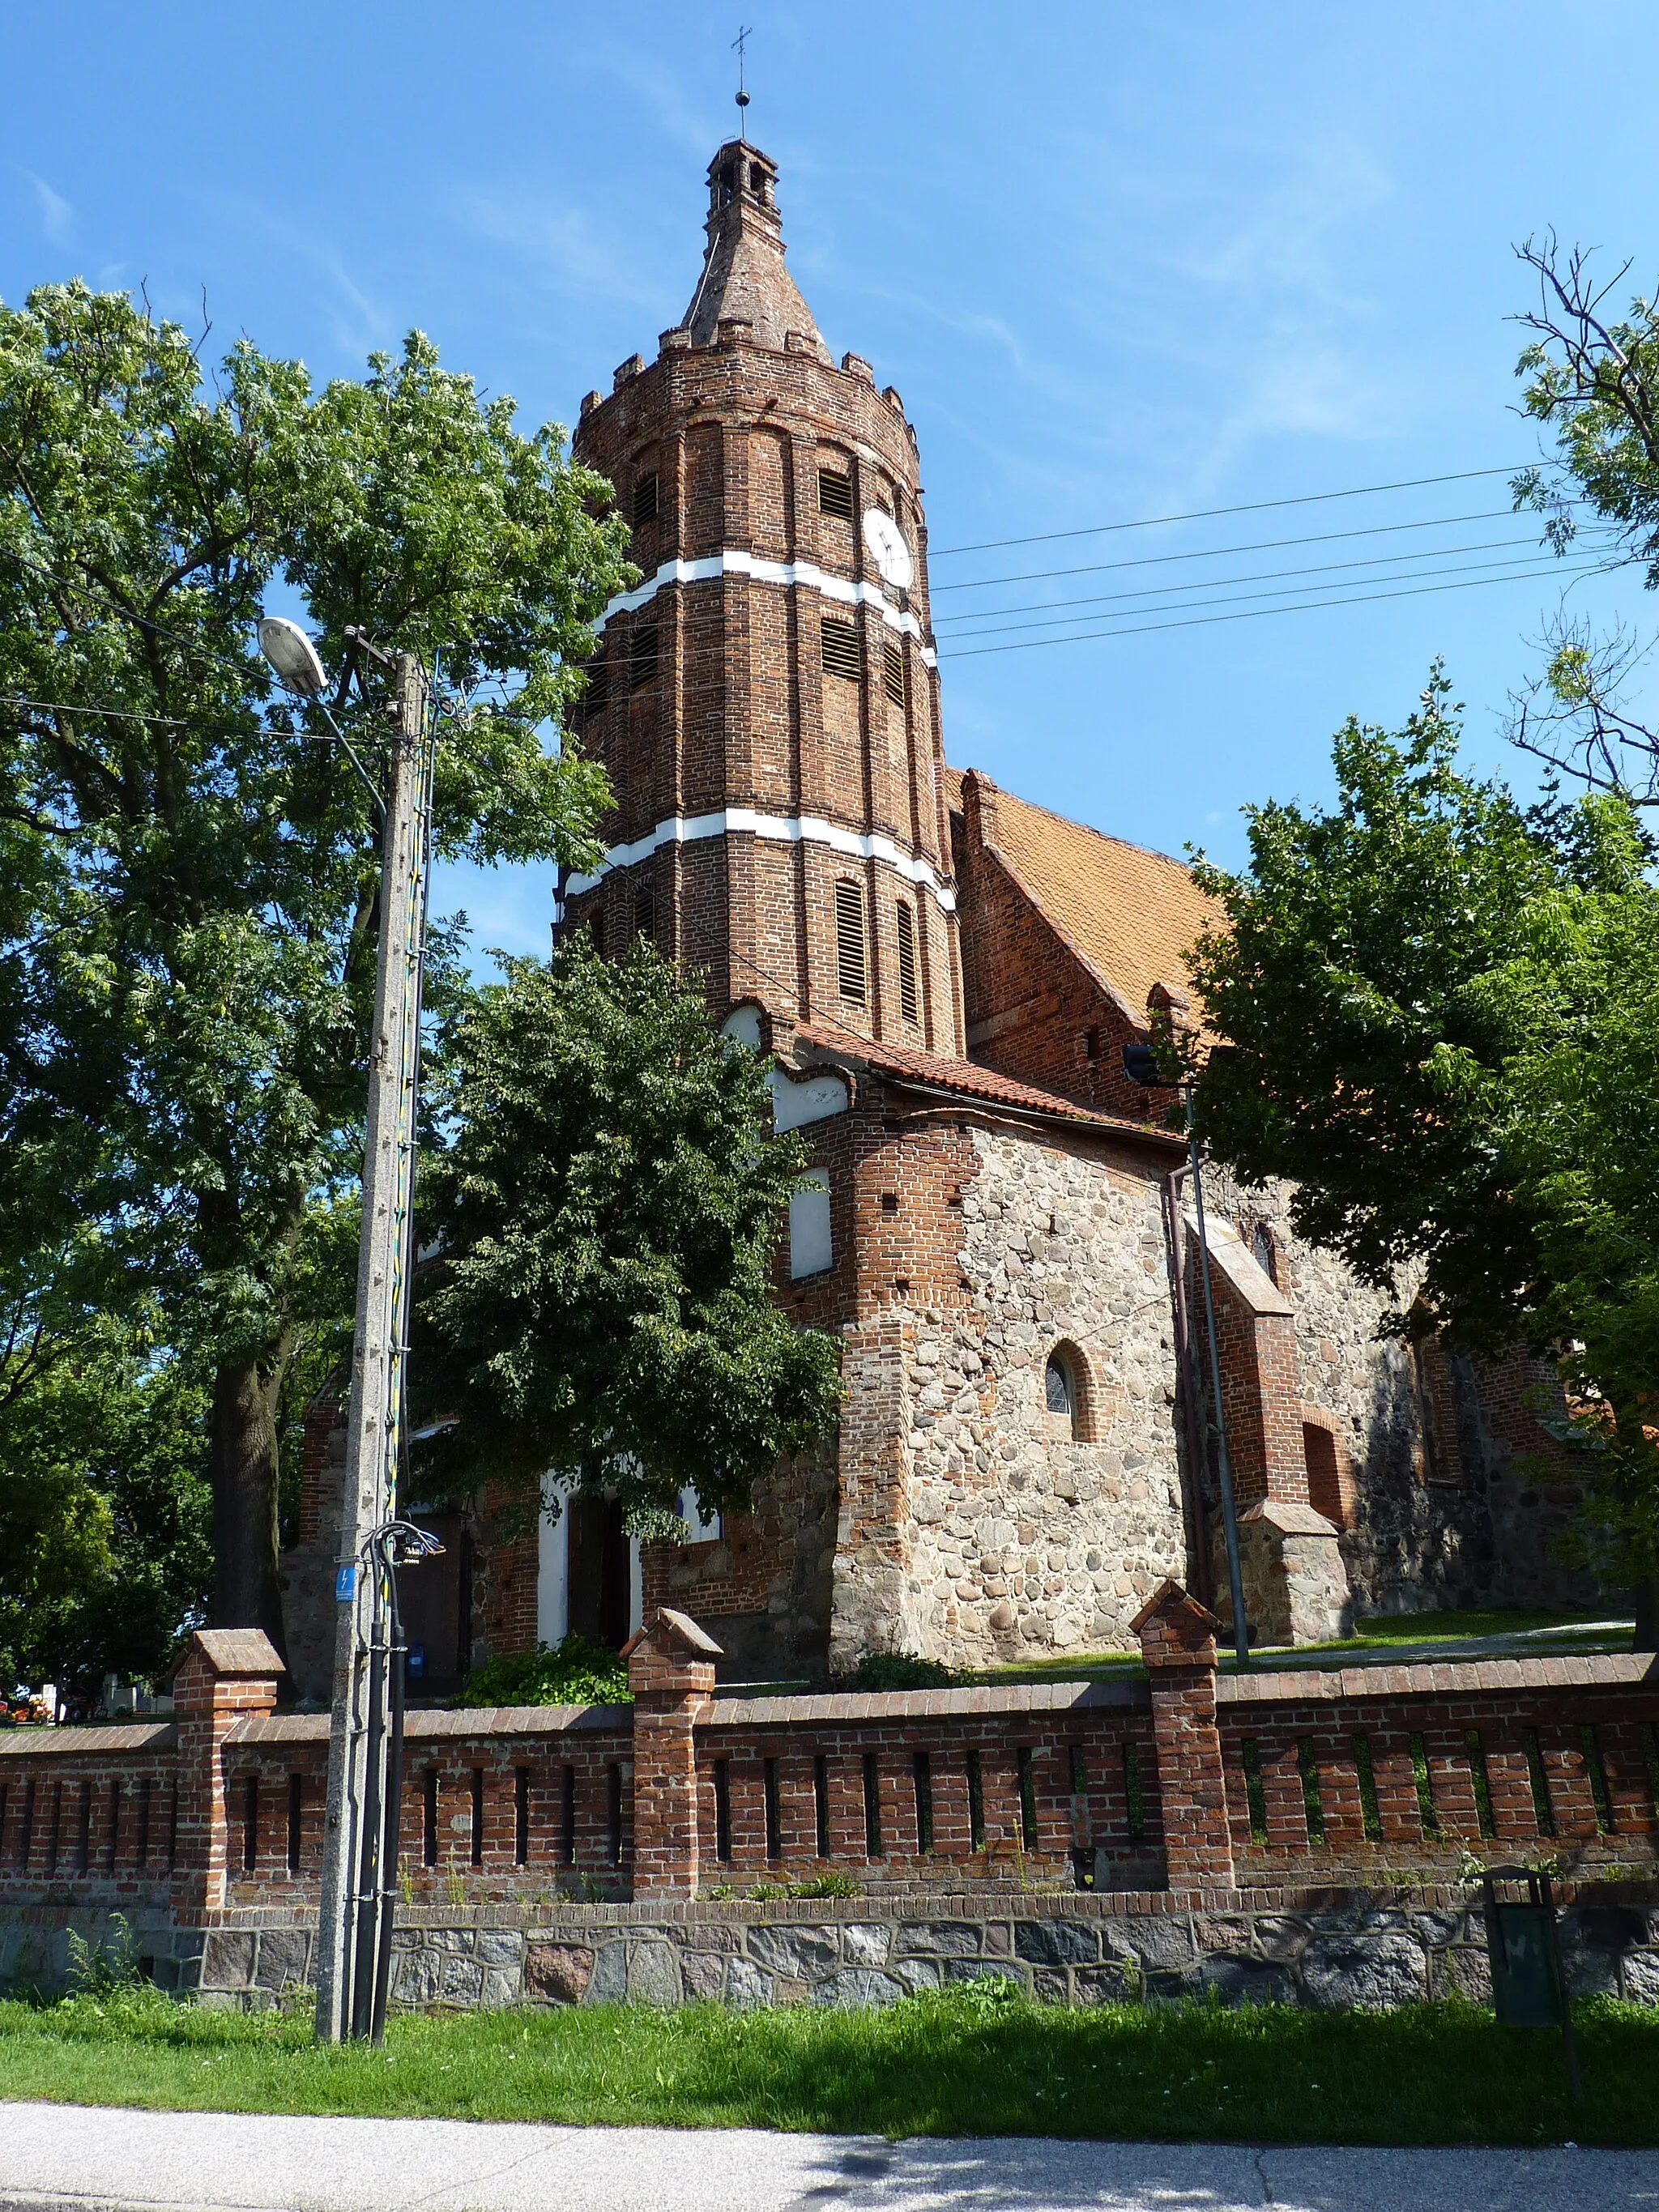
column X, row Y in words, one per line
column 1122, row 261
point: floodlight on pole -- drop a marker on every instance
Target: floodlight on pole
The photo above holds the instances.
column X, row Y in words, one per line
column 1143, row 1064
column 294, row 656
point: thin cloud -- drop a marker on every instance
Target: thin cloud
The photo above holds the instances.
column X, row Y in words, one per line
column 56, row 214
column 568, row 249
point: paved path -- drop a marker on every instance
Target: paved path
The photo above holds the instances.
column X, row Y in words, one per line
column 97, row 2159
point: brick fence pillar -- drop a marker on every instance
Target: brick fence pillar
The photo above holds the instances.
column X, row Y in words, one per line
column 1177, row 1641
column 225, row 1676
column 670, row 1671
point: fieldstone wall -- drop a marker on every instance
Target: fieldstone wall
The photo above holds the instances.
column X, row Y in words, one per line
column 1477, row 1523
column 1018, row 1535
column 1329, row 1950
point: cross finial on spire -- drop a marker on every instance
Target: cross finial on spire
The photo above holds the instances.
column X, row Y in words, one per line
column 745, row 33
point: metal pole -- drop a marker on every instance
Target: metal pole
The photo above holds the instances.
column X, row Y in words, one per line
column 1229, row 1517
column 356, row 1738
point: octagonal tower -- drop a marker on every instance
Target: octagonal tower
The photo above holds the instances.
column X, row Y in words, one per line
column 766, row 700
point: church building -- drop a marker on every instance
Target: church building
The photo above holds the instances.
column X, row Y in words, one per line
column 998, row 1225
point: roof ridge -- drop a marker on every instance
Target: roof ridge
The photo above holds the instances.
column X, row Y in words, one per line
column 1071, row 821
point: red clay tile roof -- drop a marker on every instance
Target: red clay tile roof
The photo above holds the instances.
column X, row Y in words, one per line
column 1128, row 913
column 965, row 1077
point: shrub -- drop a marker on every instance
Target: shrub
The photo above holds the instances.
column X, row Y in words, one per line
column 98, row 1970
column 573, row 1672
column 825, row 1885
column 891, row 1671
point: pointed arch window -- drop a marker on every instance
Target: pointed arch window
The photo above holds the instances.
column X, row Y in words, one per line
column 1067, row 1394
column 1060, row 1387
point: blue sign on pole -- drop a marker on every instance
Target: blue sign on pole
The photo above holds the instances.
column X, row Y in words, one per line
column 345, row 1584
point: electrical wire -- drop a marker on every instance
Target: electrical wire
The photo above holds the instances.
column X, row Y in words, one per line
column 1248, row 614
column 159, row 722
column 1258, row 577
column 1530, row 563
column 143, row 622
column 1222, row 552
column 1210, row 513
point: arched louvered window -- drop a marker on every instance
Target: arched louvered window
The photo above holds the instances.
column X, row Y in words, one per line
column 851, row 962
column 910, row 993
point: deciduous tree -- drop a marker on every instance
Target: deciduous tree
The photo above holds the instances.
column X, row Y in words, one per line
column 608, row 1208
column 188, row 921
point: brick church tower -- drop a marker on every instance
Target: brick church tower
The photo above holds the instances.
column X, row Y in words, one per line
column 766, row 701
column 992, row 1220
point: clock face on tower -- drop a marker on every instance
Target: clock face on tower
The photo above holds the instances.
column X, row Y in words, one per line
column 885, row 541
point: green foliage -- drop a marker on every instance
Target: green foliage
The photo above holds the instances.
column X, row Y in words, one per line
column 1594, row 382
column 892, row 1670
column 1442, row 1010
column 609, row 1207
column 1349, row 973
column 105, row 1514
column 826, row 1885
column 188, row 915
column 573, row 1672
column 1580, row 1121
column 98, row 1970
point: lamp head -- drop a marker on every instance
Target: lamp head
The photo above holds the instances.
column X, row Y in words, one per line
column 1141, row 1065
column 294, row 656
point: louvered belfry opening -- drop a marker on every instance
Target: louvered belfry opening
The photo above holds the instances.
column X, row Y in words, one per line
column 644, row 499
column 850, row 962
column 909, row 996
column 843, row 654
column 836, row 493
column 892, row 671
column 645, row 913
column 597, row 697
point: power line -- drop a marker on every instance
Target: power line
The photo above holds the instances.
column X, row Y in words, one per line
column 1530, row 563
column 160, row 722
column 128, row 614
column 1210, row 513
column 1248, row 614
column 1222, row 552
column 1263, row 575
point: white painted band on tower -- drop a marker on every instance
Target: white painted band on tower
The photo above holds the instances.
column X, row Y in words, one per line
column 780, row 829
column 735, row 561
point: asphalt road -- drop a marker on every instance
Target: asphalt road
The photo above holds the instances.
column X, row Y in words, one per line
column 99, row 2159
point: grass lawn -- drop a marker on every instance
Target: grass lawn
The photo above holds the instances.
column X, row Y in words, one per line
column 947, row 2064
column 1381, row 1634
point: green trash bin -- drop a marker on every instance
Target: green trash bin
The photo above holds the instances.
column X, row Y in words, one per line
column 1529, row 1988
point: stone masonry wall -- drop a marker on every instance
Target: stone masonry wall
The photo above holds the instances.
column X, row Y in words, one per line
column 1328, row 1950
column 1424, row 1527
column 1013, row 1532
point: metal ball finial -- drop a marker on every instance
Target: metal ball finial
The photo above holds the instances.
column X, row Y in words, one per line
column 738, row 46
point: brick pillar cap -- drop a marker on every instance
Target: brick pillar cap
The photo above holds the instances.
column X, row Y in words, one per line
column 1179, row 1610
column 668, row 1632
column 230, row 1651
column 1289, row 1518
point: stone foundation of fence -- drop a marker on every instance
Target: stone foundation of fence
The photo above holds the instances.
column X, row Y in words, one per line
column 1331, row 1949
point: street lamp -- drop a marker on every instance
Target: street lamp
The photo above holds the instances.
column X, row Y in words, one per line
column 1141, row 1064
column 361, row 1821
column 294, row 656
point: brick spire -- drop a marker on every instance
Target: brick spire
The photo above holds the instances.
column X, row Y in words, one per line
column 744, row 279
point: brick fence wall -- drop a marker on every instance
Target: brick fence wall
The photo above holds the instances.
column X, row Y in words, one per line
column 1182, row 1782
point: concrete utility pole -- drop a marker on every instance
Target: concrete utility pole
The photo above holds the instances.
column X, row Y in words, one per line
column 356, row 1884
